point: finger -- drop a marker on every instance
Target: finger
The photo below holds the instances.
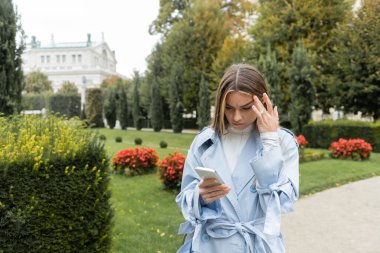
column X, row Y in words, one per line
column 268, row 103
column 257, row 102
column 208, row 198
column 276, row 113
column 259, row 106
column 257, row 112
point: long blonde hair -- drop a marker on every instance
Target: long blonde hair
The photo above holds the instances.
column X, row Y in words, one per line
column 238, row 77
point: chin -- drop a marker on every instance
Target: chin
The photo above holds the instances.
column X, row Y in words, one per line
column 239, row 127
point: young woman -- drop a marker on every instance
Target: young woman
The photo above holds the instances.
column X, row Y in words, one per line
column 258, row 163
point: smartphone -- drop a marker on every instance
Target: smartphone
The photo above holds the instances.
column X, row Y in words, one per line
column 208, row 173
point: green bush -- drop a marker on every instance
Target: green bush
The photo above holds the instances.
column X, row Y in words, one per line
column 102, row 137
column 33, row 101
column 54, row 194
column 138, row 141
column 163, row 144
column 65, row 104
column 311, row 155
column 118, row 139
column 321, row 134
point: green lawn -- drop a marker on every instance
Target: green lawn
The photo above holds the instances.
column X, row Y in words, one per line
column 178, row 142
column 146, row 216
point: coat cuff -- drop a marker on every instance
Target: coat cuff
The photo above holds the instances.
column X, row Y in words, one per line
column 267, row 166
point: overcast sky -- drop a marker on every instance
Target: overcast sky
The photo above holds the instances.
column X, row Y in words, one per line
column 125, row 25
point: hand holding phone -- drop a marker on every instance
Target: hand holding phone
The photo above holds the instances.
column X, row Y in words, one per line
column 209, row 190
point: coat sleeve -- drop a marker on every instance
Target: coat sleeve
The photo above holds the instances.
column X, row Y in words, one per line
column 277, row 183
column 189, row 200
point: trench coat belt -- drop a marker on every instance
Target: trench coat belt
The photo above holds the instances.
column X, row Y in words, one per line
column 193, row 226
column 243, row 228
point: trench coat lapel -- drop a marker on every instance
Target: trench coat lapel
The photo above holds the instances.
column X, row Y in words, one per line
column 243, row 173
column 214, row 158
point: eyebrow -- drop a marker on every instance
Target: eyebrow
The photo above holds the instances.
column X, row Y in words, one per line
column 242, row 105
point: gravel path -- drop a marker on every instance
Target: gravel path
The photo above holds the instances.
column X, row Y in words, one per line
column 345, row 219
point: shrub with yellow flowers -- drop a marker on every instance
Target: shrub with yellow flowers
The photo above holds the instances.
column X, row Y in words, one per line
column 54, row 192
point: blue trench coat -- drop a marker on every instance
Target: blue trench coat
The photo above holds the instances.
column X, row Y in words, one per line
column 263, row 185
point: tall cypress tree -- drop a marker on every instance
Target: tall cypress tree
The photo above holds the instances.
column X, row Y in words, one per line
column 110, row 107
column 156, row 115
column 122, row 105
column 176, row 105
column 11, row 75
column 271, row 69
column 136, row 111
column 302, row 90
column 204, row 104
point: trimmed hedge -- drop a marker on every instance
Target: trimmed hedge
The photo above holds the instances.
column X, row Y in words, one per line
column 65, row 104
column 32, row 101
column 321, row 134
column 54, row 194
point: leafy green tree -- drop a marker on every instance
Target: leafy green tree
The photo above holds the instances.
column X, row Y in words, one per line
column 193, row 43
column 68, row 87
column 110, row 81
column 281, row 24
column 110, row 106
column 37, row 82
column 271, row 69
column 204, row 105
column 136, row 110
column 234, row 50
column 357, row 60
column 170, row 12
column 302, row 76
column 11, row 75
column 122, row 105
column 156, row 107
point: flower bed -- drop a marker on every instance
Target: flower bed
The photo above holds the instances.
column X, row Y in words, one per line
column 355, row 149
column 171, row 169
column 135, row 161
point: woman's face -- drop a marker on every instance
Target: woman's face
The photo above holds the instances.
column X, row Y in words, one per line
column 238, row 110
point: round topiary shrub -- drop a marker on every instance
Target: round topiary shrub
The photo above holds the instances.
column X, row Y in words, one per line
column 163, row 144
column 118, row 139
column 102, row 137
column 138, row 141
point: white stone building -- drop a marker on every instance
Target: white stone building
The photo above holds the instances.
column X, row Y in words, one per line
column 86, row 64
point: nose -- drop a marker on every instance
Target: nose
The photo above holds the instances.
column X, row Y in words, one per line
column 237, row 116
